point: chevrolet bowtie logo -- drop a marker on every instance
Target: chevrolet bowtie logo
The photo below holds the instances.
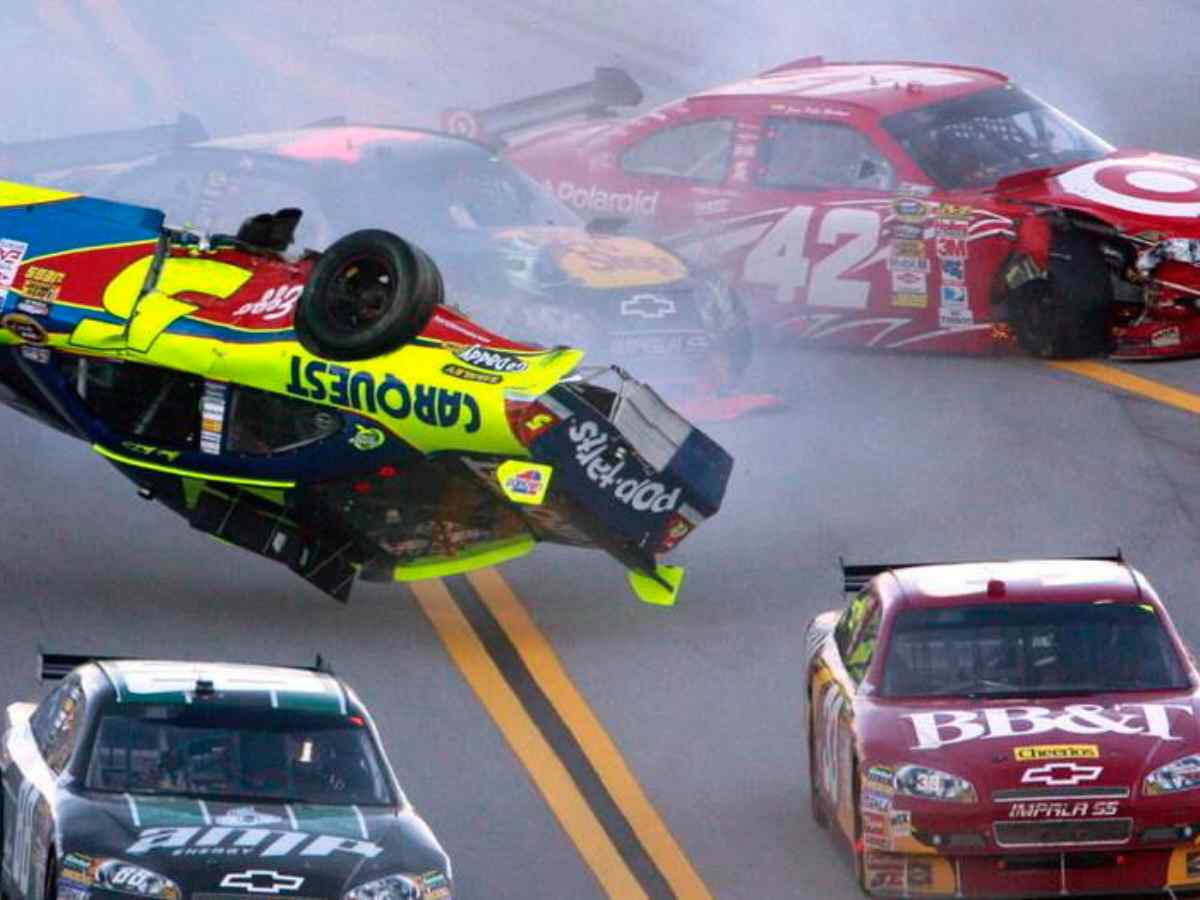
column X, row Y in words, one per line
column 1061, row 774
column 262, row 881
column 647, row 306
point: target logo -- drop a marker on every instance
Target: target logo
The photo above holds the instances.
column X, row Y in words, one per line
column 1153, row 185
column 461, row 122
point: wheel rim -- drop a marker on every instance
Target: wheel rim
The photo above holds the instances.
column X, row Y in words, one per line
column 361, row 294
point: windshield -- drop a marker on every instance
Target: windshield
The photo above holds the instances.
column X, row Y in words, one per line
column 974, row 141
column 451, row 195
column 237, row 755
column 1030, row 649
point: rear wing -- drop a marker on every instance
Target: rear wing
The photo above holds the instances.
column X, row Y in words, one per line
column 610, row 87
column 26, row 159
column 57, row 666
column 855, row 577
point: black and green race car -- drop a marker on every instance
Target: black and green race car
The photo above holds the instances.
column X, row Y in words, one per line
column 164, row 780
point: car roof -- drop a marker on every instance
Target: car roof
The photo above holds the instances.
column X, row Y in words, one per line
column 348, row 143
column 882, row 87
column 276, row 687
column 1018, row 581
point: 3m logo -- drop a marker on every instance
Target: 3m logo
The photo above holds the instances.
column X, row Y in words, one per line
column 1061, row 774
column 647, row 306
column 262, row 881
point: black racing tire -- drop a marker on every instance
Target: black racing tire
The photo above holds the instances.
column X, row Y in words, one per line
column 368, row 294
column 819, row 814
column 50, row 884
column 1069, row 313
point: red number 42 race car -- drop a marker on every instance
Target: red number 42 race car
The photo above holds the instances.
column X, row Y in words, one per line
column 1006, row 729
column 893, row 205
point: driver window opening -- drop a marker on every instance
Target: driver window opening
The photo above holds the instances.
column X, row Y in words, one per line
column 146, row 402
column 819, row 156
column 698, row 151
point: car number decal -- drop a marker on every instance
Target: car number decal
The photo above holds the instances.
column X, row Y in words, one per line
column 779, row 259
column 145, row 317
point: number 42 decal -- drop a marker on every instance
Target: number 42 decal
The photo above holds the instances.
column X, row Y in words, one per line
column 146, row 316
column 779, row 259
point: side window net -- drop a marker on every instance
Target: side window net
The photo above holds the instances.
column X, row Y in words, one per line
column 262, row 423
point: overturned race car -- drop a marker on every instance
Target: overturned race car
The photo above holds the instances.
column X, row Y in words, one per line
column 892, row 205
column 1006, row 729
column 166, row 780
column 327, row 411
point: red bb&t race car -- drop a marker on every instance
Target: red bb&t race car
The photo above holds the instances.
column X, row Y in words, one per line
column 1006, row 729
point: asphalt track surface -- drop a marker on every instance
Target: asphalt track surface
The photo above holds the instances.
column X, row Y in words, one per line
column 563, row 740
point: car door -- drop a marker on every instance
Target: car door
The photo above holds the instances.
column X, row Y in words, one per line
column 816, row 218
column 37, row 758
column 833, row 693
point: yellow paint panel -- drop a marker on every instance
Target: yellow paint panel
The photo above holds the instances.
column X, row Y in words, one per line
column 523, row 481
column 14, row 194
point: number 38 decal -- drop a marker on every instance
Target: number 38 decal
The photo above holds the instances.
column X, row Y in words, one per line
column 146, row 316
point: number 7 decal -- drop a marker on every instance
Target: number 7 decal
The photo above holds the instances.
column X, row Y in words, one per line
column 147, row 315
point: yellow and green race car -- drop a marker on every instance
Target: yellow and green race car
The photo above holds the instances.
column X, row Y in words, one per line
column 328, row 411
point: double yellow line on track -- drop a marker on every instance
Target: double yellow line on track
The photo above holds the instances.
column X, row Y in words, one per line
column 1133, row 384
column 575, row 765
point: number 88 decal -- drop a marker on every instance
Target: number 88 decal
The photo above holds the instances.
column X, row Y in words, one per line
column 1152, row 185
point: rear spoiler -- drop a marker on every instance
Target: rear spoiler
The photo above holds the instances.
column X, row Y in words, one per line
column 855, row 578
column 57, row 666
column 609, row 87
column 25, row 158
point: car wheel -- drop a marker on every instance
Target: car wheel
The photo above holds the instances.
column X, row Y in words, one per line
column 819, row 814
column 50, row 885
column 368, row 294
column 1069, row 313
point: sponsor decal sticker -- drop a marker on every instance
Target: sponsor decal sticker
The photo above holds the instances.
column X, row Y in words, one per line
column 27, row 329
column 914, row 248
column 342, row 386
column 642, row 494
column 954, row 272
column 39, row 355
column 1056, row 751
column 367, row 438
column 901, row 823
column 911, row 301
column 881, row 777
column 212, row 417
column 11, row 254
column 262, row 881
column 874, row 799
column 1193, row 864
column 1063, row 809
column 469, row 375
column 34, row 307
column 906, row 231
column 942, row 728
column 276, row 303
column 223, row 840
column 951, row 248
column 245, row 817
column 524, row 482
column 648, row 306
column 1166, row 337
column 593, row 199
column 910, row 210
column 42, row 283
column 908, row 264
column 909, row 282
column 491, row 360
column 1061, row 774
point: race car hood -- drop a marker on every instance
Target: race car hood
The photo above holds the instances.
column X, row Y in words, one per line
column 301, row 850
column 1137, row 192
column 1008, row 744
